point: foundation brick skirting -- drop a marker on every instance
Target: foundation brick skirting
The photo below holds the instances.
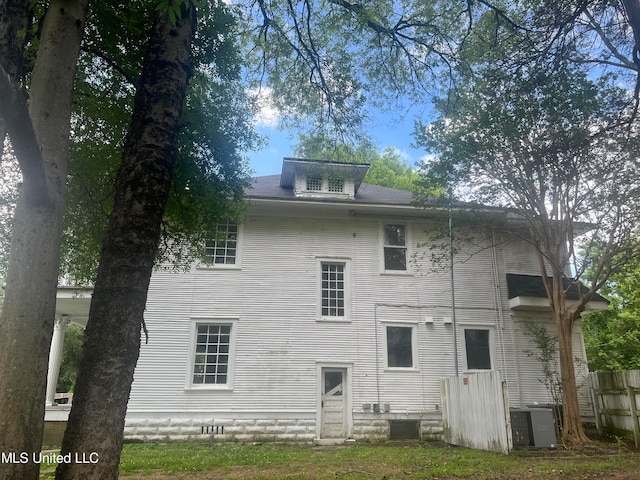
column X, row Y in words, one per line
column 366, row 427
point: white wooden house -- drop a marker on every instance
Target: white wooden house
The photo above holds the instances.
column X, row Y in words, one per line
column 324, row 314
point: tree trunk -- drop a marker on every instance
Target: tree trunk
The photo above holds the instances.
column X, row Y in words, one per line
column 26, row 322
column 572, row 429
column 112, row 337
column 632, row 8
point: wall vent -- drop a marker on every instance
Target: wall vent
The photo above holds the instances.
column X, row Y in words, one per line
column 404, row 429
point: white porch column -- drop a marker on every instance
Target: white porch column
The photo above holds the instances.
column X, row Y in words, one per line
column 55, row 357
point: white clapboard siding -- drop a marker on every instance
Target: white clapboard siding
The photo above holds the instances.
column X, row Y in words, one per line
column 273, row 300
column 531, row 370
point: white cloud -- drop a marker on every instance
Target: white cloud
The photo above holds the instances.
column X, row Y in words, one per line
column 267, row 115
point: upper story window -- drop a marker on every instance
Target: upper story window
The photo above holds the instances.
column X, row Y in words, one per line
column 478, row 348
column 335, row 184
column 324, row 183
column 222, row 249
column 314, row 183
column 334, row 289
column 395, row 247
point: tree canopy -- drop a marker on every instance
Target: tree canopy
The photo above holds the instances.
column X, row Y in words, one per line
column 210, row 173
column 612, row 336
column 561, row 150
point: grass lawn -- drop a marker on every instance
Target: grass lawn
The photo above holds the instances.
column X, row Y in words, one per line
column 370, row 461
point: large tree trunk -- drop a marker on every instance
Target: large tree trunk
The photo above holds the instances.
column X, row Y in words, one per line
column 572, row 430
column 26, row 323
column 112, row 336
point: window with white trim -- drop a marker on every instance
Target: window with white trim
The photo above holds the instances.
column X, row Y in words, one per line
column 314, row 183
column 222, row 249
column 335, row 184
column 212, row 355
column 477, row 342
column 324, row 183
column 395, row 247
column 401, row 346
column 333, row 290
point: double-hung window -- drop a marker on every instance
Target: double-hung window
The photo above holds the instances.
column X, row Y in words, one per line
column 212, row 359
column 222, row 249
column 401, row 346
column 478, row 348
column 395, row 247
column 334, row 289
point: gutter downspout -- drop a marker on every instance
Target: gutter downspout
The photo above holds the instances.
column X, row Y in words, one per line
column 453, row 293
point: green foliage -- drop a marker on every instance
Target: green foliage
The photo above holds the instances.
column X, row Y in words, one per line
column 389, row 169
column 210, row 173
column 71, row 353
column 612, row 336
column 550, row 143
column 546, row 354
column 329, row 61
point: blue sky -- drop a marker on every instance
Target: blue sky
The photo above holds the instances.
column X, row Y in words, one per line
column 385, row 130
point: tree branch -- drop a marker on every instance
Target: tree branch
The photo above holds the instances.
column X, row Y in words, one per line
column 624, row 61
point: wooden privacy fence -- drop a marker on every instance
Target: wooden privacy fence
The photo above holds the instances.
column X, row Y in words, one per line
column 475, row 412
column 615, row 401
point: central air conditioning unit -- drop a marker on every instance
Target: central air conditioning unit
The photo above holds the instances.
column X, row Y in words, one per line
column 533, row 428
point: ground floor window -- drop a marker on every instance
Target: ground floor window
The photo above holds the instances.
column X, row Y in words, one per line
column 478, row 348
column 400, row 347
column 212, row 354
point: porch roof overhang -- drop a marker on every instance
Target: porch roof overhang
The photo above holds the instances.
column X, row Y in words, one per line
column 73, row 304
column 527, row 292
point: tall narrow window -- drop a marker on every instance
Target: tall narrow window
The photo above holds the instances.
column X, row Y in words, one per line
column 212, row 351
column 478, row 349
column 395, row 247
column 223, row 248
column 400, row 347
column 333, row 289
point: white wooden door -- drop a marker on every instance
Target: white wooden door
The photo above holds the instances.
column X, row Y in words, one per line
column 333, row 403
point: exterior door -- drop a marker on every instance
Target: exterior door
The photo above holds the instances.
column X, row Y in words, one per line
column 333, row 403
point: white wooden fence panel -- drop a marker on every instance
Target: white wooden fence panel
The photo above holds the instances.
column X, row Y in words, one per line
column 616, row 399
column 475, row 412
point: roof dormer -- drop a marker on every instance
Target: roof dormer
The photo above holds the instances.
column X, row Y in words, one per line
column 322, row 178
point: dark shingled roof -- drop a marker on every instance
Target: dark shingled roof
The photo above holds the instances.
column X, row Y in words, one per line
column 532, row 286
column 269, row 187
